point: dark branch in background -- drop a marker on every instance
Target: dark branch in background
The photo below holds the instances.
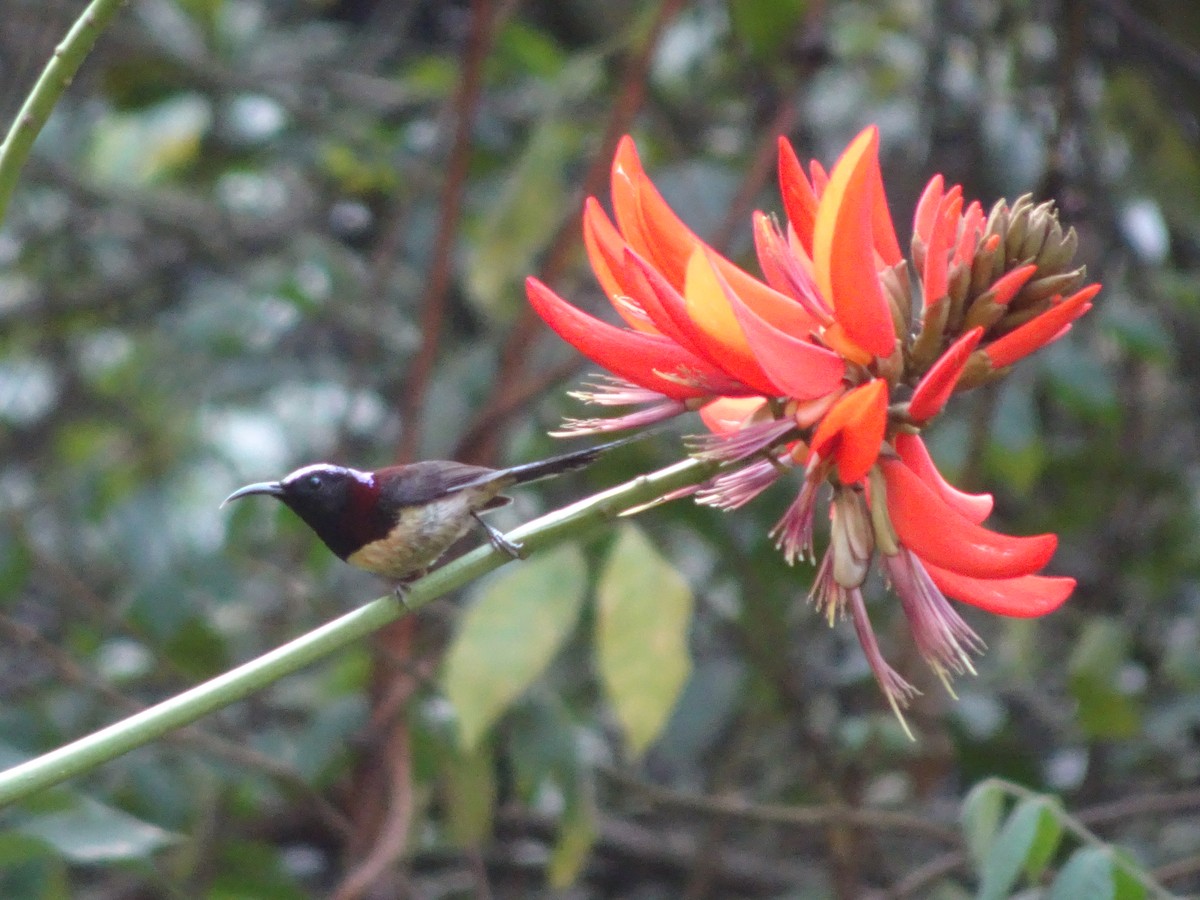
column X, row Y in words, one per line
column 437, row 279
column 193, row 736
column 480, row 439
column 383, row 805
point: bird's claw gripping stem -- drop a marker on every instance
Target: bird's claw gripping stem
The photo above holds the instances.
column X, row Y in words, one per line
column 513, row 548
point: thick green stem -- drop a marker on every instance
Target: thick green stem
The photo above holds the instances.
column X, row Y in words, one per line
column 182, row 709
column 55, row 78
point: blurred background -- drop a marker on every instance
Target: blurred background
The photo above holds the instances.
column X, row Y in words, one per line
column 260, row 234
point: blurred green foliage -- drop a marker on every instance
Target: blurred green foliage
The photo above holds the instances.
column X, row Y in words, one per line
column 216, row 268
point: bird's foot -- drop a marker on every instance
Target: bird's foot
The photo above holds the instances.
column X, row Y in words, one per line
column 515, row 549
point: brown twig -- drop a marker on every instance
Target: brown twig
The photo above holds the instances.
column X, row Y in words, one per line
column 819, row 816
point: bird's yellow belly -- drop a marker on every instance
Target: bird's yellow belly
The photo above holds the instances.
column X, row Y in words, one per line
column 421, row 535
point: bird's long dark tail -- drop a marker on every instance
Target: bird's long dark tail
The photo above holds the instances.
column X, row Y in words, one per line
column 566, row 462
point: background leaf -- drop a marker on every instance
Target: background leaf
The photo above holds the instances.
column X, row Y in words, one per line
column 94, row 833
column 514, row 626
column 643, row 616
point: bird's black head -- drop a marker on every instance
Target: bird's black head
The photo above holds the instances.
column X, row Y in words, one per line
column 338, row 503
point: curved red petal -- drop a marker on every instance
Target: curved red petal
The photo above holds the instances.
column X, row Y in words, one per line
column 773, row 306
column 934, row 279
column 1024, row 597
column 936, row 385
column 939, row 534
column 799, row 368
column 633, row 355
column 882, row 228
column 927, row 208
column 799, row 200
column 968, row 233
column 1009, row 284
column 650, row 298
column 646, row 220
column 606, row 252
column 712, row 333
column 843, row 248
column 1040, row 331
column 910, row 447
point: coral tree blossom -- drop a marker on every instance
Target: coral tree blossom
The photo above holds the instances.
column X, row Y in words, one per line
column 831, row 365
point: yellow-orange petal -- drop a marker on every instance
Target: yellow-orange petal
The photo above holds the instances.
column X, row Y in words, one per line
column 843, row 248
column 852, row 431
column 797, row 367
column 701, row 325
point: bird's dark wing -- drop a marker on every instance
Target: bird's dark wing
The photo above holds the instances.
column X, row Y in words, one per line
column 420, row 482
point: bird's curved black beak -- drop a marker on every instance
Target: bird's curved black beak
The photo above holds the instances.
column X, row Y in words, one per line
column 272, row 488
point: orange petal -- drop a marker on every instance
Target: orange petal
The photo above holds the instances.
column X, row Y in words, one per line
column 910, row 447
column 799, row 200
column 968, row 233
column 852, row 431
column 940, row 534
column 934, row 278
column 703, row 325
column 606, row 253
column 775, row 307
column 818, row 177
column 789, row 272
column 927, row 208
column 798, row 368
column 1023, row 597
column 726, row 415
column 1007, row 286
column 882, row 229
column 647, row 222
column 644, row 359
column 936, row 385
column 1040, row 331
column 843, row 248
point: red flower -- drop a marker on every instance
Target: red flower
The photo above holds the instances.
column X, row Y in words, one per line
column 829, row 366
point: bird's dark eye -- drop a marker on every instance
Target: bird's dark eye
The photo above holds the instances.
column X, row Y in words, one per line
column 313, row 481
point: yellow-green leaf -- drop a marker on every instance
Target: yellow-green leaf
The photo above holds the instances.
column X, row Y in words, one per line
column 576, row 833
column 645, row 610
column 509, row 634
column 469, row 792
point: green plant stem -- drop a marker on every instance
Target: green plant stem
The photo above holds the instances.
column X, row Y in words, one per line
column 554, row 528
column 55, row 78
